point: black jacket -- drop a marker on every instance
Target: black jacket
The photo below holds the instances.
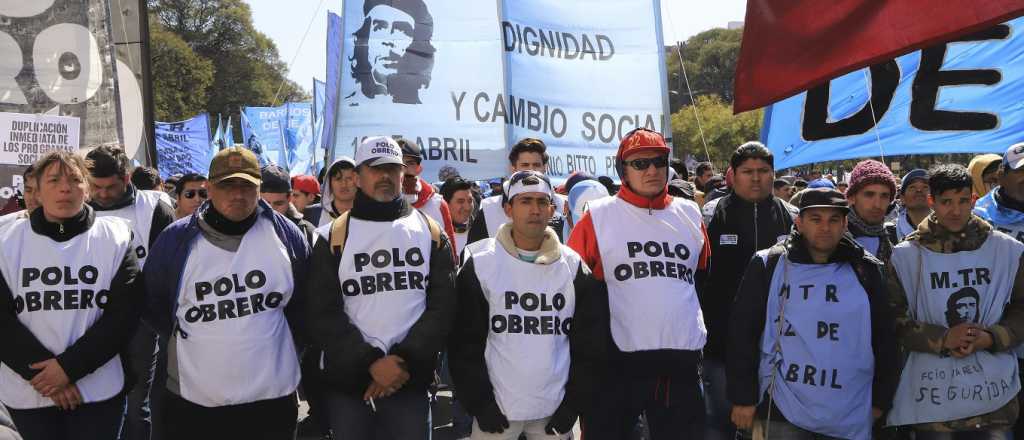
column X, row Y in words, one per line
column 347, row 355
column 107, row 337
column 590, row 328
column 736, row 230
column 748, row 320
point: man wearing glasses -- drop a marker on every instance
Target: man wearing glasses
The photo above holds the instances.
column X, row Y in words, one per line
column 190, row 191
column 650, row 249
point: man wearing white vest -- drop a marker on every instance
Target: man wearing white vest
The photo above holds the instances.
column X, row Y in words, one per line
column 810, row 350
column 957, row 290
column 649, row 248
column 529, row 154
column 382, row 300
column 420, row 193
column 224, row 288
column 532, row 324
column 69, row 304
column 148, row 213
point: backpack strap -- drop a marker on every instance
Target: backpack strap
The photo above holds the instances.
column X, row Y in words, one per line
column 435, row 229
column 339, row 234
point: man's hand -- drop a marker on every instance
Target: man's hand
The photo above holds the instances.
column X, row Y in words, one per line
column 50, row 379
column 69, row 398
column 982, row 341
column 959, row 337
column 389, row 372
column 743, row 416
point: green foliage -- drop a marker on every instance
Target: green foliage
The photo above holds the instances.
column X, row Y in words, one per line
column 181, row 79
column 722, row 130
column 710, row 58
column 246, row 67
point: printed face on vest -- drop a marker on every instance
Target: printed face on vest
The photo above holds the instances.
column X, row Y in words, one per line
column 232, row 296
column 107, row 191
column 753, row 179
column 59, row 288
column 381, row 183
column 62, row 191
column 234, row 198
column 822, row 228
column 532, row 314
column 962, row 306
column 386, row 270
column 915, row 195
column 656, row 260
column 871, row 202
column 647, row 182
column 953, row 208
column 530, row 214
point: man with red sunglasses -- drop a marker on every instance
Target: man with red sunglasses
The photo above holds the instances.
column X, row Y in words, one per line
column 650, row 249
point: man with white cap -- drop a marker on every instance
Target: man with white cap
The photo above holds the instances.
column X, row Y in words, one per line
column 650, row 248
column 1003, row 207
column 382, row 299
column 223, row 289
column 518, row 369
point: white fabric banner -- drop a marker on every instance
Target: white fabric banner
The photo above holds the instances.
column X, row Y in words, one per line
column 466, row 80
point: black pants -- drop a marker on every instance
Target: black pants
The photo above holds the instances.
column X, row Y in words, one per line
column 672, row 405
column 402, row 416
column 272, row 419
column 92, row 421
column 314, row 390
column 142, row 355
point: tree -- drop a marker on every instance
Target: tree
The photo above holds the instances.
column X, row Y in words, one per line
column 710, row 58
column 247, row 69
column 722, row 130
column 181, row 79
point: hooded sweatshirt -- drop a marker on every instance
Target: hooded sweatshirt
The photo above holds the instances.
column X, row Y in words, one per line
column 977, row 168
column 322, row 213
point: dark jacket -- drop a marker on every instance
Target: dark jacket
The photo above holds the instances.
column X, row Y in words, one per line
column 736, row 230
column 590, row 328
column 347, row 355
column 747, row 325
column 107, row 337
column 308, row 229
column 168, row 256
column 163, row 215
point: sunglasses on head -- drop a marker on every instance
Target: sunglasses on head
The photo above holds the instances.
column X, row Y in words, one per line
column 643, row 164
column 193, row 192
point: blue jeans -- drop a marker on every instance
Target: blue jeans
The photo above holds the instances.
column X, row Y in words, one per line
column 402, row 416
column 92, row 421
column 718, row 423
column 778, row 430
column 988, row 434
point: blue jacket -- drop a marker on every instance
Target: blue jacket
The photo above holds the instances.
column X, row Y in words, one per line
column 168, row 255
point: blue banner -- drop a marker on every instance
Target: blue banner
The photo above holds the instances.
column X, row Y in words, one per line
column 332, row 82
column 183, row 147
column 319, row 105
column 252, row 141
column 264, row 127
column 299, row 138
column 959, row 97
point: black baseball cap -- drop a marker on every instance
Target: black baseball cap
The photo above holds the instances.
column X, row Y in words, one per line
column 409, row 148
column 823, row 198
column 275, row 180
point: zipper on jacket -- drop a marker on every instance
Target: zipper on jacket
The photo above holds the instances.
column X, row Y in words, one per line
column 60, row 228
column 757, row 242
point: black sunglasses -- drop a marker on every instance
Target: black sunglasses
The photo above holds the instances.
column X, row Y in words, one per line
column 192, row 193
column 643, row 164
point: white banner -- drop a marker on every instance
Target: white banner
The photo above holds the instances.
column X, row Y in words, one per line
column 466, row 80
column 24, row 138
column 582, row 74
column 411, row 68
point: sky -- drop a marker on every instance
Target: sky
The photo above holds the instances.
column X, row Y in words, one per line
column 285, row 22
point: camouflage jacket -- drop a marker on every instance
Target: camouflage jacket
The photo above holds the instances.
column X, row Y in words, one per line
column 927, row 337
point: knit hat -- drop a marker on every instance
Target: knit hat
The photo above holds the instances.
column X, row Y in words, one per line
column 869, row 172
column 917, row 174
column 275, row 180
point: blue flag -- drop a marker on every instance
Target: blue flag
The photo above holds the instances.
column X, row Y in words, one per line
column 218, row 136
column 319, row 104
column 183, row 147
column 252, row 141
column 331, row 90
column 229, row 135
column 960, row 97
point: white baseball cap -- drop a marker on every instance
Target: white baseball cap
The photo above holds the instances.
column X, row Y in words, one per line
column 378, row 150
column 1014, row 156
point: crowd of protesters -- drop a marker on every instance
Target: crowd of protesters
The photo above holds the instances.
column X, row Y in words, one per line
column 717, row 306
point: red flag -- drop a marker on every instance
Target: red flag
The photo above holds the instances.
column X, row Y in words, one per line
column 792, row 45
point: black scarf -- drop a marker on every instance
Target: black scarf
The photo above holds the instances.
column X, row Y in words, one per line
column 63, row 231
column 366, row 208
column 222, row 224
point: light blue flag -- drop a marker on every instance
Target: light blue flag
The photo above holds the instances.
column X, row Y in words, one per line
column 252, row 141
column 218, row 136
column 183, row 147
column 959, row 97
column 319, row 105
column 229, row 135
column 333, row 86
